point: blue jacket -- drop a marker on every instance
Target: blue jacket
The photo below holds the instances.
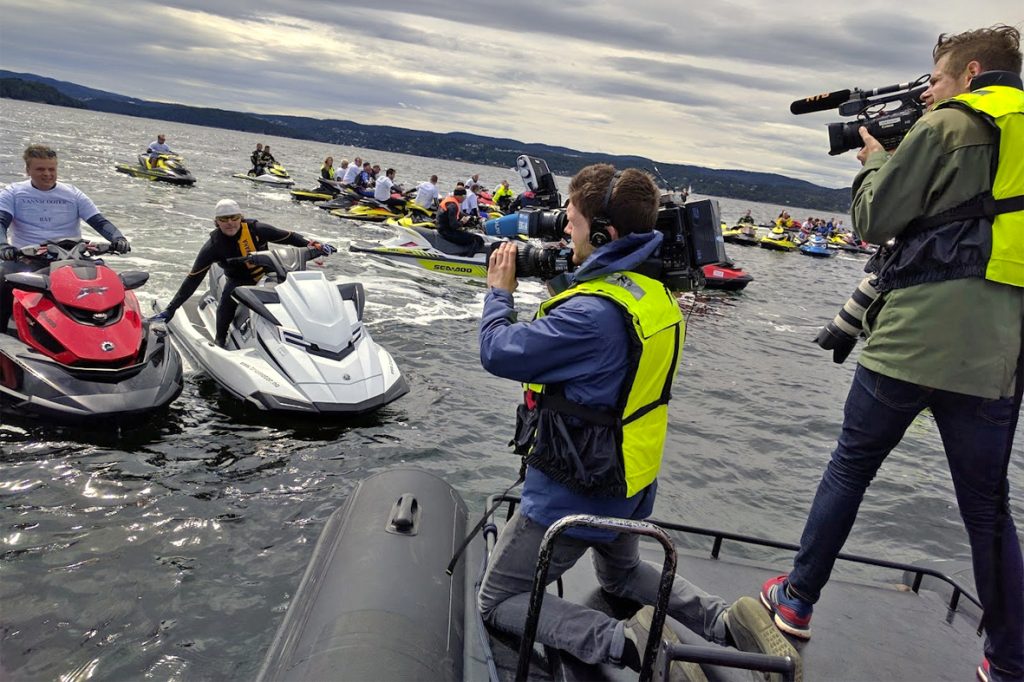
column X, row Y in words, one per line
column 582, row 345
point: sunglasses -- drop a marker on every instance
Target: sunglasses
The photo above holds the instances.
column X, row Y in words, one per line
column 227, row 218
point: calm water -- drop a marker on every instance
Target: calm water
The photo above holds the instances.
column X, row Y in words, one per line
column 170, row 551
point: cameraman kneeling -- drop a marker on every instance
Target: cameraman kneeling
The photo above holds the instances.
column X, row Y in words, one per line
column 599, row 359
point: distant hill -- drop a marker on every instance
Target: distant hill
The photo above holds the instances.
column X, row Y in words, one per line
column 455, row 146
column 15, row 88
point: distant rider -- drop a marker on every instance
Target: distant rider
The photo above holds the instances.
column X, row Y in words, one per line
column 234, row 237
column 41, row 209
column 257, row 161
column 327, row 170
column 352, row 172
column 451, row 224
column 502, row 196
column 267, row 158
column 157, row 148
column 382, row 191
column 427, row 194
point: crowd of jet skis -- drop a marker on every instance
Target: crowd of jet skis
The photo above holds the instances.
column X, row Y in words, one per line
column 81, row 347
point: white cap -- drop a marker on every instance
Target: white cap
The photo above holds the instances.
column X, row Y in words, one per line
column 227, row 207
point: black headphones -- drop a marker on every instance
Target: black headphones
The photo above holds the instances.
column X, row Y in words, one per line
column 599, row 223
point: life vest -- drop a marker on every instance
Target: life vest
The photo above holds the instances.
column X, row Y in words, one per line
column 441, row 216
column 330, row 172
column 1003, row 106
column 620, row 450
column 247, row 245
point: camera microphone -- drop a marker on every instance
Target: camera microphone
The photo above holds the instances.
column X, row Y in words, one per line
column 822, row 102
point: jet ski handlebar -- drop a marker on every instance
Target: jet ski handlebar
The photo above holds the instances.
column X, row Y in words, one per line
column 64, row 249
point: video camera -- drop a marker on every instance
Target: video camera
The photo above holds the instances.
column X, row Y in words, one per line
column 692, row 238
column 888, row 113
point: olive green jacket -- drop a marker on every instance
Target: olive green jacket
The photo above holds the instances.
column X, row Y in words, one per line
column 960, row 335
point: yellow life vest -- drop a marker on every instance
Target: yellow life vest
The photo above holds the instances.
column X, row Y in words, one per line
column 658, row 329
column 1004, row 107
column 247, row 245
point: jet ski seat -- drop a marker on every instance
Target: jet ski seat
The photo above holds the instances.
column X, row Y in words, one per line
column 445, row 246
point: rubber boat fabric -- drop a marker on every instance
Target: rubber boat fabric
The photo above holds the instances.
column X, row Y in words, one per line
column 375, row 602
column 297, row 343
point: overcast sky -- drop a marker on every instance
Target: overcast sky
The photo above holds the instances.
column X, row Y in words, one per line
column 701, row 83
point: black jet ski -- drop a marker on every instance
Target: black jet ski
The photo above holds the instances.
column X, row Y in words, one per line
column 163, row 167
column 78, row 347
column 376, row 603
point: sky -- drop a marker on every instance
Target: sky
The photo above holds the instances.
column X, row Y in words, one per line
column 681, row 82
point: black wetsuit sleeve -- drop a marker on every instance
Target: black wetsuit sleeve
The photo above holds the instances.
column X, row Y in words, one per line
column 278, row 236
column 5, row 220
column 104, row 227
column 194, row 278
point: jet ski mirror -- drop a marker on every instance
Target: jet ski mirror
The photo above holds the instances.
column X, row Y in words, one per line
column 133, row 279
column 29, row 281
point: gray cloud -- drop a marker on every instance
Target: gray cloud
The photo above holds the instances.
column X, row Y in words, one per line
column 706, row 84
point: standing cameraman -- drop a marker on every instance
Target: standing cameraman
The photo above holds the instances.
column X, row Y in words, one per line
column 944, row 334
column 598, row 362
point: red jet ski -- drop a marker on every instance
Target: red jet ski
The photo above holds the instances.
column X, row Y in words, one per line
column 80, row 347
column 726, row 276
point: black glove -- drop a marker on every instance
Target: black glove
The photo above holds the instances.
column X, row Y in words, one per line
column 164, row 316
column 120, row 245
column 8, row 252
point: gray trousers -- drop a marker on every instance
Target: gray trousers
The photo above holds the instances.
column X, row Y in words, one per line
column 589, row 635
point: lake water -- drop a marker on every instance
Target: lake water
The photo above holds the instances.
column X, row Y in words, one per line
column 171, row 550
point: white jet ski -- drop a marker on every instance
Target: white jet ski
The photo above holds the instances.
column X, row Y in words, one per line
column 297, row 343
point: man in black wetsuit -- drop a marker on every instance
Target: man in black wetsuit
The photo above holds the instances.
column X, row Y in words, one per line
column 451, row 224
column 257, row 160
column 234, row 237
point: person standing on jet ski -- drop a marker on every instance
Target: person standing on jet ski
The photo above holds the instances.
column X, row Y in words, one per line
column 597, row 362
column 267, row 158
column 234, row 237
column 451, row 224
column 41, row 209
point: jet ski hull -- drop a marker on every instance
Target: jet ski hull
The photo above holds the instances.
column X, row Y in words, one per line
column 32, row 384
column 182, row 179
column 435, row 261
column 266, row 179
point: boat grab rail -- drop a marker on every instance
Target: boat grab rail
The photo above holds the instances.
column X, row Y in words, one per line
column 919, row 572
column 668, row 573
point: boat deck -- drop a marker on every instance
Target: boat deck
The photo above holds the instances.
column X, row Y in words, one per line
column 873, row 628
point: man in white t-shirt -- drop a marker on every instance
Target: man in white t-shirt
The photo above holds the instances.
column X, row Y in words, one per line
column 349, row 178
column 382, row 190
column 41, row 209
column 427, row 194
column 471, row 206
